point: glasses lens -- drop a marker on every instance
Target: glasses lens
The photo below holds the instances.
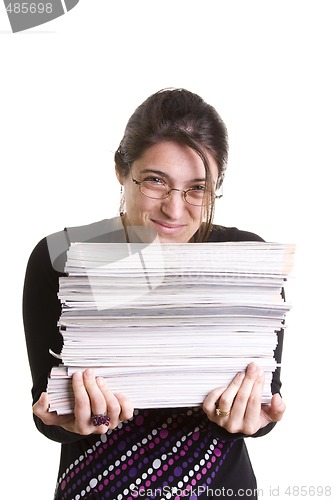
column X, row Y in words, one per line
column 198, row 197
column 153, row 189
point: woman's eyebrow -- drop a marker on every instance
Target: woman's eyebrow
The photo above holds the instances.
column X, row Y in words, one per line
column 153, row 171
column 163, row 174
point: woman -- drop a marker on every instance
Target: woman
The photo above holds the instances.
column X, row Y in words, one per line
column 170, row 164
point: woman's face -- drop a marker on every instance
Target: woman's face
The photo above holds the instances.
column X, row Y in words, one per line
column 174, row 220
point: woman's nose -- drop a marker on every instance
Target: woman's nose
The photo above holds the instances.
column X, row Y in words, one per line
column 174, row 205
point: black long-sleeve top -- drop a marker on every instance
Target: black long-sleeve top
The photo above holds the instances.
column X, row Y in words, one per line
column 157, row 450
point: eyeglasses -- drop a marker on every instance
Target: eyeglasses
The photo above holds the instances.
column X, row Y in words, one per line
column 157, row 189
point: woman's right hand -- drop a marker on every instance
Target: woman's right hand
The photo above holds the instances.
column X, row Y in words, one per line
column 92, row 397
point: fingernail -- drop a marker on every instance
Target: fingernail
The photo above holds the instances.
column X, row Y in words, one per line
column 100, row 381
column 77, row 375
column 278, row 397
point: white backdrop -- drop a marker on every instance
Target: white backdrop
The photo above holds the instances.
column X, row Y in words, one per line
column 67, row 89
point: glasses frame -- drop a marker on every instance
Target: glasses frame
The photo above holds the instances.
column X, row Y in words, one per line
column 183, row 191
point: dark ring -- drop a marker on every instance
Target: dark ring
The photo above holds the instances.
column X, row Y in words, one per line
column 100, row 420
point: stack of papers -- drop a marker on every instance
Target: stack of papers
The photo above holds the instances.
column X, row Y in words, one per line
column 165, row 324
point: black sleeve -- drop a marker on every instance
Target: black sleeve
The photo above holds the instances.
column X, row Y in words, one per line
column 41, row 312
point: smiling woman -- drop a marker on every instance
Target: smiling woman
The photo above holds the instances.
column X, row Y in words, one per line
column 158, row 203
column 193, row 140
column 171, row 163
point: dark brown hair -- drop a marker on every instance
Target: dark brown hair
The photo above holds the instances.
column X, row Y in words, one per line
column 180, row 116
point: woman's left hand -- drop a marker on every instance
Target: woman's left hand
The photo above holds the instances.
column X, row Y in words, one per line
column 238, row 408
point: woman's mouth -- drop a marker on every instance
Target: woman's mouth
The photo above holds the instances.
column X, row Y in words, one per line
column 164, row 227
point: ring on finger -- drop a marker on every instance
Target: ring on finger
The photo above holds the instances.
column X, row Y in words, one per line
column 221, row 413
column 101, row 419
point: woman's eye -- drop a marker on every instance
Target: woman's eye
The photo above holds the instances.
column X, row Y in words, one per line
column 198, row 188
column 155, row 180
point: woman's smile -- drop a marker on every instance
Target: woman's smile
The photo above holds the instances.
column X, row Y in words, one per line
column 167, row 227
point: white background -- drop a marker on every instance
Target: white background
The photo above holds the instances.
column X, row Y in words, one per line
column 67, row 89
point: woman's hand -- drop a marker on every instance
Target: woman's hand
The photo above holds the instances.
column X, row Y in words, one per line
column 239, row 406
column 92, row 397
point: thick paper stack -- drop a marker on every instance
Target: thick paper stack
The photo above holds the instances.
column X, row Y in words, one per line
column 165, row 324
